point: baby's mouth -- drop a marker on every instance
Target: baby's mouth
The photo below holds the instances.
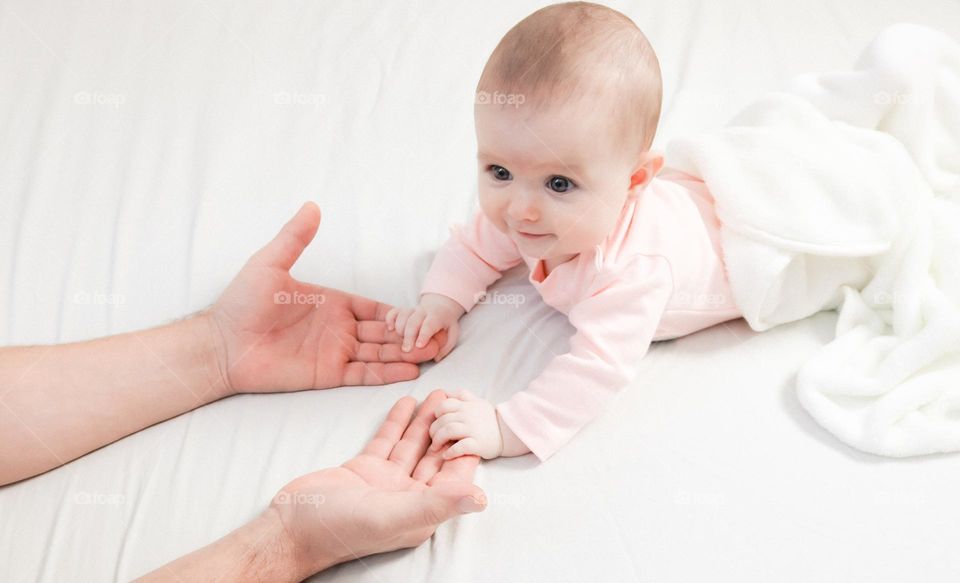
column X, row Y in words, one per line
column 532, row 236
column 528, row 234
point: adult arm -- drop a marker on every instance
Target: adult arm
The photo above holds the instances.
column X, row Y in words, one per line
column 267, row 332
column 393, row 495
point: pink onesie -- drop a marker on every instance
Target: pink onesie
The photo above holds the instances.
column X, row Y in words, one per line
column 658, row 275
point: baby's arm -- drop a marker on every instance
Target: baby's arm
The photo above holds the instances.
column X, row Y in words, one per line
column 615, row 325
column 471, row 260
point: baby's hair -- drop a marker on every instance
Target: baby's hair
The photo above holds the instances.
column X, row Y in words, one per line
column 579, row 50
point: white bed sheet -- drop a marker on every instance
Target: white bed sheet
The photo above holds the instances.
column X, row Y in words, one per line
column 148, row 148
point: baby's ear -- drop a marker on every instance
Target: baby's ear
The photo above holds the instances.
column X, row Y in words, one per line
column 656, row 161
column 650, row 164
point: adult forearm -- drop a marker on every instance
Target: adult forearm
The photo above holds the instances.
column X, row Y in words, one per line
column 59, row 402
column 257, row 551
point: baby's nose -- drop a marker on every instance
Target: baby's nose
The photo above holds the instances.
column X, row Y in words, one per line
column 523, row 207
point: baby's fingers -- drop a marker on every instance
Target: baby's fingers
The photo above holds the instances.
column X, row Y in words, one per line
column 391, row 317
column 431, row 326
column 467, row 446
column 449, row 432
column 401, row 321
column 448, row 405
column 464, row 395
column 444, row 420
column 411, row 328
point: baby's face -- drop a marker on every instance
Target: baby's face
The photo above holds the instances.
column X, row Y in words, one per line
column 551, row 179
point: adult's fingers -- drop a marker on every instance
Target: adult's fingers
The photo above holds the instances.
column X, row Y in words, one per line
column 459, row 469
column 416, row 438
column 446, row 347
column 440, row 337
column 287, row 246
column 376, row 331
column 416, row 513
column 378, row 373
column 428, row 466
column 392, row 428
column 369, row 352
column 367, row 309
column 465, row 446
column 376, row 334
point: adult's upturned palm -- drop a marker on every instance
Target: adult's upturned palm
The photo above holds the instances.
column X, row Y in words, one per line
column 280, row 334
column 392, row 495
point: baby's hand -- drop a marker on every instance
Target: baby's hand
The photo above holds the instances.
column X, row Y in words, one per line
column 469, row 421
column 435, row 312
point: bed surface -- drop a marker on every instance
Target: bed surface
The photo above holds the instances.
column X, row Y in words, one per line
column 149, row 148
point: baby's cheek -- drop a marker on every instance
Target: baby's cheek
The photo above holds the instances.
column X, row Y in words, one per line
column 491, row 204
column 581, row 232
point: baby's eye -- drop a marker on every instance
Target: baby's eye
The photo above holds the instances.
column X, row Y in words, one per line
column 560, row 184
column 499, row 172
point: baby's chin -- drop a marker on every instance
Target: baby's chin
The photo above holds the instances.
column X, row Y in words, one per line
column 550, row 248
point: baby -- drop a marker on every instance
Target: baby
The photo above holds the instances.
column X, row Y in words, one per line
column 566, row 111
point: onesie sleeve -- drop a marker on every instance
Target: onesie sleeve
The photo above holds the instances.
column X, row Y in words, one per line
column 470, row 261
column 615, row 324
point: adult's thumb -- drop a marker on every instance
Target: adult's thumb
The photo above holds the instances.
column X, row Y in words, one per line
column 284, row 250
column 436, row 504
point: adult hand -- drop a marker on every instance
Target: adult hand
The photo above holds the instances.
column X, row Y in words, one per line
column 62, row 401
column 393, row 495
column 279, row 334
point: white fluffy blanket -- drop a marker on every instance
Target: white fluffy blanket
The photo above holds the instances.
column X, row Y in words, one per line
column 843, row 192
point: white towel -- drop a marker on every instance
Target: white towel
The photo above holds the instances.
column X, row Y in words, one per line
column 843, row 192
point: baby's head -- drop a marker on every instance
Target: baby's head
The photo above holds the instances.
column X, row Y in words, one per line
column 566, row 111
